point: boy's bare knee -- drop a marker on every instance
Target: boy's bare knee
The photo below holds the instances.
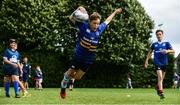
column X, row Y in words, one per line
column 7, row 79
column 70, row 73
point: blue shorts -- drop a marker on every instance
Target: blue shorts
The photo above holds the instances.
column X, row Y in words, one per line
column 163, row 68
column 76, row 65
column 82, row 62
column 9, row 70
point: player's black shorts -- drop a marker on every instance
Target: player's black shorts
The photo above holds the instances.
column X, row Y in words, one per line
column 20, row 77
column 25, row 77
column 163, row 68
column 9, row 70
column 76, row 65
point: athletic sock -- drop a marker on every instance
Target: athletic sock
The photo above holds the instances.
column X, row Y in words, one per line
column 161, row 91
column 16, row 85
column 71, row 82
column 7, row 85
column 157, row 87
column 65, row 81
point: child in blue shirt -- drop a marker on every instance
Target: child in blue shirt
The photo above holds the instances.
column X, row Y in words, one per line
column 85, row 49
column 11, row 66
column 160, row 49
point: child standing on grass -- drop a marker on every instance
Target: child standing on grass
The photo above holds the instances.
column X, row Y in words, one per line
column 129, row 82
column 160, row 49
column 38, row 78
column 26, row 68
column 11, row 67
column 175, row 80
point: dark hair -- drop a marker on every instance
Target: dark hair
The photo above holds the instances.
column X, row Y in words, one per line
column 94, row 16
column 25, row 57
column 159, row 31
column 12, row 40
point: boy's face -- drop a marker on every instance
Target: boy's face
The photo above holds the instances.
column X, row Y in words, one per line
column 94, row 24
column 13, row 45
column 159, row 36
column 25, row 60
column 38, row 68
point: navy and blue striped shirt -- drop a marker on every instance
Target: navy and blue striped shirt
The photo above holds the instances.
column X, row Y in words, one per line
column 87, row 42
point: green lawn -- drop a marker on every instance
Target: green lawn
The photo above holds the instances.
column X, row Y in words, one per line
column 94, row 96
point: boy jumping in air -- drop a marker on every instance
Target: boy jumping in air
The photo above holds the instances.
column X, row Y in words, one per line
column 84, row 53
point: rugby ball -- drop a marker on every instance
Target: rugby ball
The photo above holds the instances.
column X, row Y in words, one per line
column 80, row 16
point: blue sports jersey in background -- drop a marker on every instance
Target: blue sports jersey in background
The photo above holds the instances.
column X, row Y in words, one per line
column 87, row 42
column 26, row 68
column 160, row 59
column 12, row 56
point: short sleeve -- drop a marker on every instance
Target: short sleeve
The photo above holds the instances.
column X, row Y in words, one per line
column 19, row 57
column 6, row 53
column 168, row 45
column 80, row 25
column 102, row 27
column 152, row 46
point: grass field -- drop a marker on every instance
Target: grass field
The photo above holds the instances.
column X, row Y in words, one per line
column 95, row 96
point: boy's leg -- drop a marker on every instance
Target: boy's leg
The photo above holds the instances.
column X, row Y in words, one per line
column 67, row 76
column 40, row 83
column 25, row 81
column 71, row 84
column 37, row 84
column 7, row 81
column 160, row 79
column 127, row 85
column 27, row 85
column 161, row 75
column 24, row 90
column 130, row 84
column 175, row 84
column 73, row 72
column 15, row 80
column 79, row 74
column 21, row 84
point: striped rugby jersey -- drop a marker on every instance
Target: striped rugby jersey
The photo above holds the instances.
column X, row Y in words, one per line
column 87, row 42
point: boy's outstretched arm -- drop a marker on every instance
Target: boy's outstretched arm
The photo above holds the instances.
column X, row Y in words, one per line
column 108, row 20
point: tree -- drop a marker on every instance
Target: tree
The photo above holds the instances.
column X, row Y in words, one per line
column 43, row 25
column 35, row 23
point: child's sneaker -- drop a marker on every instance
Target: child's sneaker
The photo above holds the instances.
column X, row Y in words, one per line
column 17, row 96
column 63, row 93
column 161, row 95
column 25, row 94
column 7, row 95
column 157, row 90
